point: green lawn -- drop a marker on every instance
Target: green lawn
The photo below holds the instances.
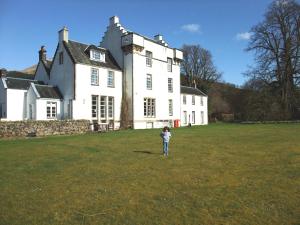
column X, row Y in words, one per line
column 216, row 174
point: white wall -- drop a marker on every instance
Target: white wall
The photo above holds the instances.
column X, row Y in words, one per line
column 41, row 73
column 41, row 109
column 16, row 104
column 84, row 90
column 197, row 108
column 62, row 76
column 159, row 90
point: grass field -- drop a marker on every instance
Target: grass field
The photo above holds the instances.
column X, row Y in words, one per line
column 216, row 174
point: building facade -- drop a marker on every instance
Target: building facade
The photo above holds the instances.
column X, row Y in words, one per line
column 129, row 77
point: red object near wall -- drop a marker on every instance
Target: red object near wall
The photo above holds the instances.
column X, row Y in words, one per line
column 176, row 123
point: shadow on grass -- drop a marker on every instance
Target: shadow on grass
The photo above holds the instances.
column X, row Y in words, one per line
column 146, row 152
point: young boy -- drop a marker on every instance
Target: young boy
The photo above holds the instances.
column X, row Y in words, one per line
column 166, row 135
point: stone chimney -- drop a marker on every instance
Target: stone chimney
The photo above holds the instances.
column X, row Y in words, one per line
column 63, row 35
column 158, row 38
column 113, row 20
column 3, row 72
column 42, row 53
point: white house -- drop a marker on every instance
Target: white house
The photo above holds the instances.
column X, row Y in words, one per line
column 193, row 107
column 129, row 77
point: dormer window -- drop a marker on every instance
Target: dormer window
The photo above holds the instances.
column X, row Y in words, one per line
column 97, row 56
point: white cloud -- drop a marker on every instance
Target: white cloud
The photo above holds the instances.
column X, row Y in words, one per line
column 243, row 36
column 192, row 28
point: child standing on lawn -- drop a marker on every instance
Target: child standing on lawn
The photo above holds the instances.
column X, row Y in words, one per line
column 166, row 135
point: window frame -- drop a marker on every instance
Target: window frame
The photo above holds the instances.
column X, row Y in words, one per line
column 193, row 117
column 193, row 99
column 149, row 107
column 169, row 64
column 185, row 117
column 112, row 73
column 110, row 107
column 52, row 106
column 97, row 77
column 170, row 107
column 149, row 79
column 149, row 57
column 61, row 58
column 170, row 85
column 95, row 106
column 184, row 99
column 98, row 56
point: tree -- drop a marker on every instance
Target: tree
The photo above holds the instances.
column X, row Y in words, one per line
column 198, row 63
column 276, row 43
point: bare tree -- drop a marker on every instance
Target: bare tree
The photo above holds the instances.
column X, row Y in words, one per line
column 198, row 63
column 276, row 42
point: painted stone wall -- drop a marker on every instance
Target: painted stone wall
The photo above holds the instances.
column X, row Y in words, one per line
column 42, row 128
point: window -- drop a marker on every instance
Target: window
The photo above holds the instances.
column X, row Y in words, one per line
column 149, row 82
column 95, row 106
column 110, row 107
column 170, row 85
column 30, row 112
column 148, row 58
column 97, row 56
column 201, row 100
column 193, row 117
column 111, row 79
column 202, row 117
column 61, row 58
column 94, row 76
column 193, row 100
column 149, row 107
column 169, row 60
column 103, row 107
column 184, row 99
column 170, row 107
column 184, row 117
column 70, row 109
column 51, row 110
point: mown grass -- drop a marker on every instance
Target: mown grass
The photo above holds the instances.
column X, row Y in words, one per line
column 216, row 174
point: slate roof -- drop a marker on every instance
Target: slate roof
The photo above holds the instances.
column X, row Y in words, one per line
column 47, row 91
column 47, row 65
column 18, row 74
column 80, row 54
column 191, row 91
column 18, row 83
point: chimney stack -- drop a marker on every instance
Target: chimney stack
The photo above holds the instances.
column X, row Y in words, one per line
column 63, row 35
column 113, row 20
column 3, row 72
column 158, row 37
column 42, row 53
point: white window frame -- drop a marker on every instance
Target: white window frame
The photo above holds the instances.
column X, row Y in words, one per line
column 185, row 117
column 193, row 117
column 170, row 107
column 149, row 82
column 169, row 64
column 201, row 100
column 193, row 99
column 184, row 99
column 94, row 77
column 170, row 85
column 149, row 57
column 94, row 106
column 149, row 107
column 52, row 106
column 97, row 56
column 110, row 107
column 111, row 79
column 103, row 107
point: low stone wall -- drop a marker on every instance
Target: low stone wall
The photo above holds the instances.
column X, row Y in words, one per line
column 43, row 128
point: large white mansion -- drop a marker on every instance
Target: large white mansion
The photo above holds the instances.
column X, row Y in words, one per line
column 129, row 77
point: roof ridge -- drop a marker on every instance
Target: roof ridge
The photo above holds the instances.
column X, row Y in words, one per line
column 18, row 78
column 89, row 44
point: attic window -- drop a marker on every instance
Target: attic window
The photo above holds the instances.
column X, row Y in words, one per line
column 97, row 56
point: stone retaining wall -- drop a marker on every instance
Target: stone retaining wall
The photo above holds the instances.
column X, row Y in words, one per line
column 43, row 128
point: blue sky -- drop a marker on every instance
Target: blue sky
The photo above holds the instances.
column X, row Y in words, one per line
column 217, row 25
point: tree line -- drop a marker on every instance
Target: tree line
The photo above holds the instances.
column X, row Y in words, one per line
column 272, row 90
